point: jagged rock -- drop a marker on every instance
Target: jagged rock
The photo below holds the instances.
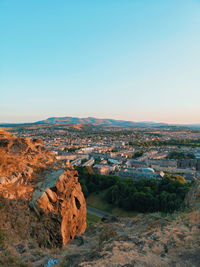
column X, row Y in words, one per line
column 21, row 157
column 28, row 174
column 60, row 193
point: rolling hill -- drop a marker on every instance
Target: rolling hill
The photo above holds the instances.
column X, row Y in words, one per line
column 100, row 122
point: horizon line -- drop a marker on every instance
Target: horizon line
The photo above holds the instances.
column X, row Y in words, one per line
column 79, row 117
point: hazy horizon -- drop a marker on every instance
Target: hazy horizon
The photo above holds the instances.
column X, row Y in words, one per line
column 128, row 60
column 101, row 118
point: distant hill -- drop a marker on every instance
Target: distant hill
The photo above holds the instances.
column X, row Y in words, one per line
column 100, row 122
column 91, row 121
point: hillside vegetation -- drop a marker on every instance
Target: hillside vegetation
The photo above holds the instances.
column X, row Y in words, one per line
column 145, row 195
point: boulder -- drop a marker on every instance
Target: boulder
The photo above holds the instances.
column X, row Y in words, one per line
column 60, row 193
column 49, row 193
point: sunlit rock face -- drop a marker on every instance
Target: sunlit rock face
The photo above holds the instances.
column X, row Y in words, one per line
column 60, row 193
column 45, row 194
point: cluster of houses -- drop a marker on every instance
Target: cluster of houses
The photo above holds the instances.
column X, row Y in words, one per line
column 152, row 164
column 113, row 154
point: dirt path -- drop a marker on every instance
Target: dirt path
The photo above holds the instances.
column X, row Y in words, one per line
column 98, row 213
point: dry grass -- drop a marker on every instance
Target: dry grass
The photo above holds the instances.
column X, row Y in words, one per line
column 12, row 261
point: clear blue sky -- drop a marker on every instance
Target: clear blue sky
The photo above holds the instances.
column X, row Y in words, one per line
column 126, row 59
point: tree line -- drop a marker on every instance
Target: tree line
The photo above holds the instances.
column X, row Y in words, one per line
column 145, row 195
column 172, row 142
column 180, row 155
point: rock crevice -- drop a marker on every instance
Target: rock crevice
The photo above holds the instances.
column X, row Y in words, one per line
column 52, row 193
column 65, row 199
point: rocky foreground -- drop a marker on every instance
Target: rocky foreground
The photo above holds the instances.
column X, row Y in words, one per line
column 42, row 207
column 40, row 200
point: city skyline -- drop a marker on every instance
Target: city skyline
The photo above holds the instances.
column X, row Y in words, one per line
column 130, row 60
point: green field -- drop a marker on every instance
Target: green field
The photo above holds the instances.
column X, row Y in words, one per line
column 95, row 200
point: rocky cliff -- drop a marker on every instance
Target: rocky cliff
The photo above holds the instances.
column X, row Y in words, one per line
column 40, row 200
column 60, row 193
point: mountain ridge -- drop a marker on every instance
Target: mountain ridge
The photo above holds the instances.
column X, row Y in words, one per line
column 104, row 122
column 99, row 122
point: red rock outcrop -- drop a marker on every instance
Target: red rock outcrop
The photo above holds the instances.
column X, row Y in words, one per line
column 19, row 157
column 60, row 193
column 52, row 193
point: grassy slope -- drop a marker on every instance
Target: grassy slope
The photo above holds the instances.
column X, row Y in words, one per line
column 95, row 200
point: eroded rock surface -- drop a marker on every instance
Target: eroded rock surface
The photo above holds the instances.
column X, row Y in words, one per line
column 43, row 198
column 19, row 158
column 60, row 193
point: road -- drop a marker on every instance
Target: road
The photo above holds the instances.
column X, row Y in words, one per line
column 99, row 213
